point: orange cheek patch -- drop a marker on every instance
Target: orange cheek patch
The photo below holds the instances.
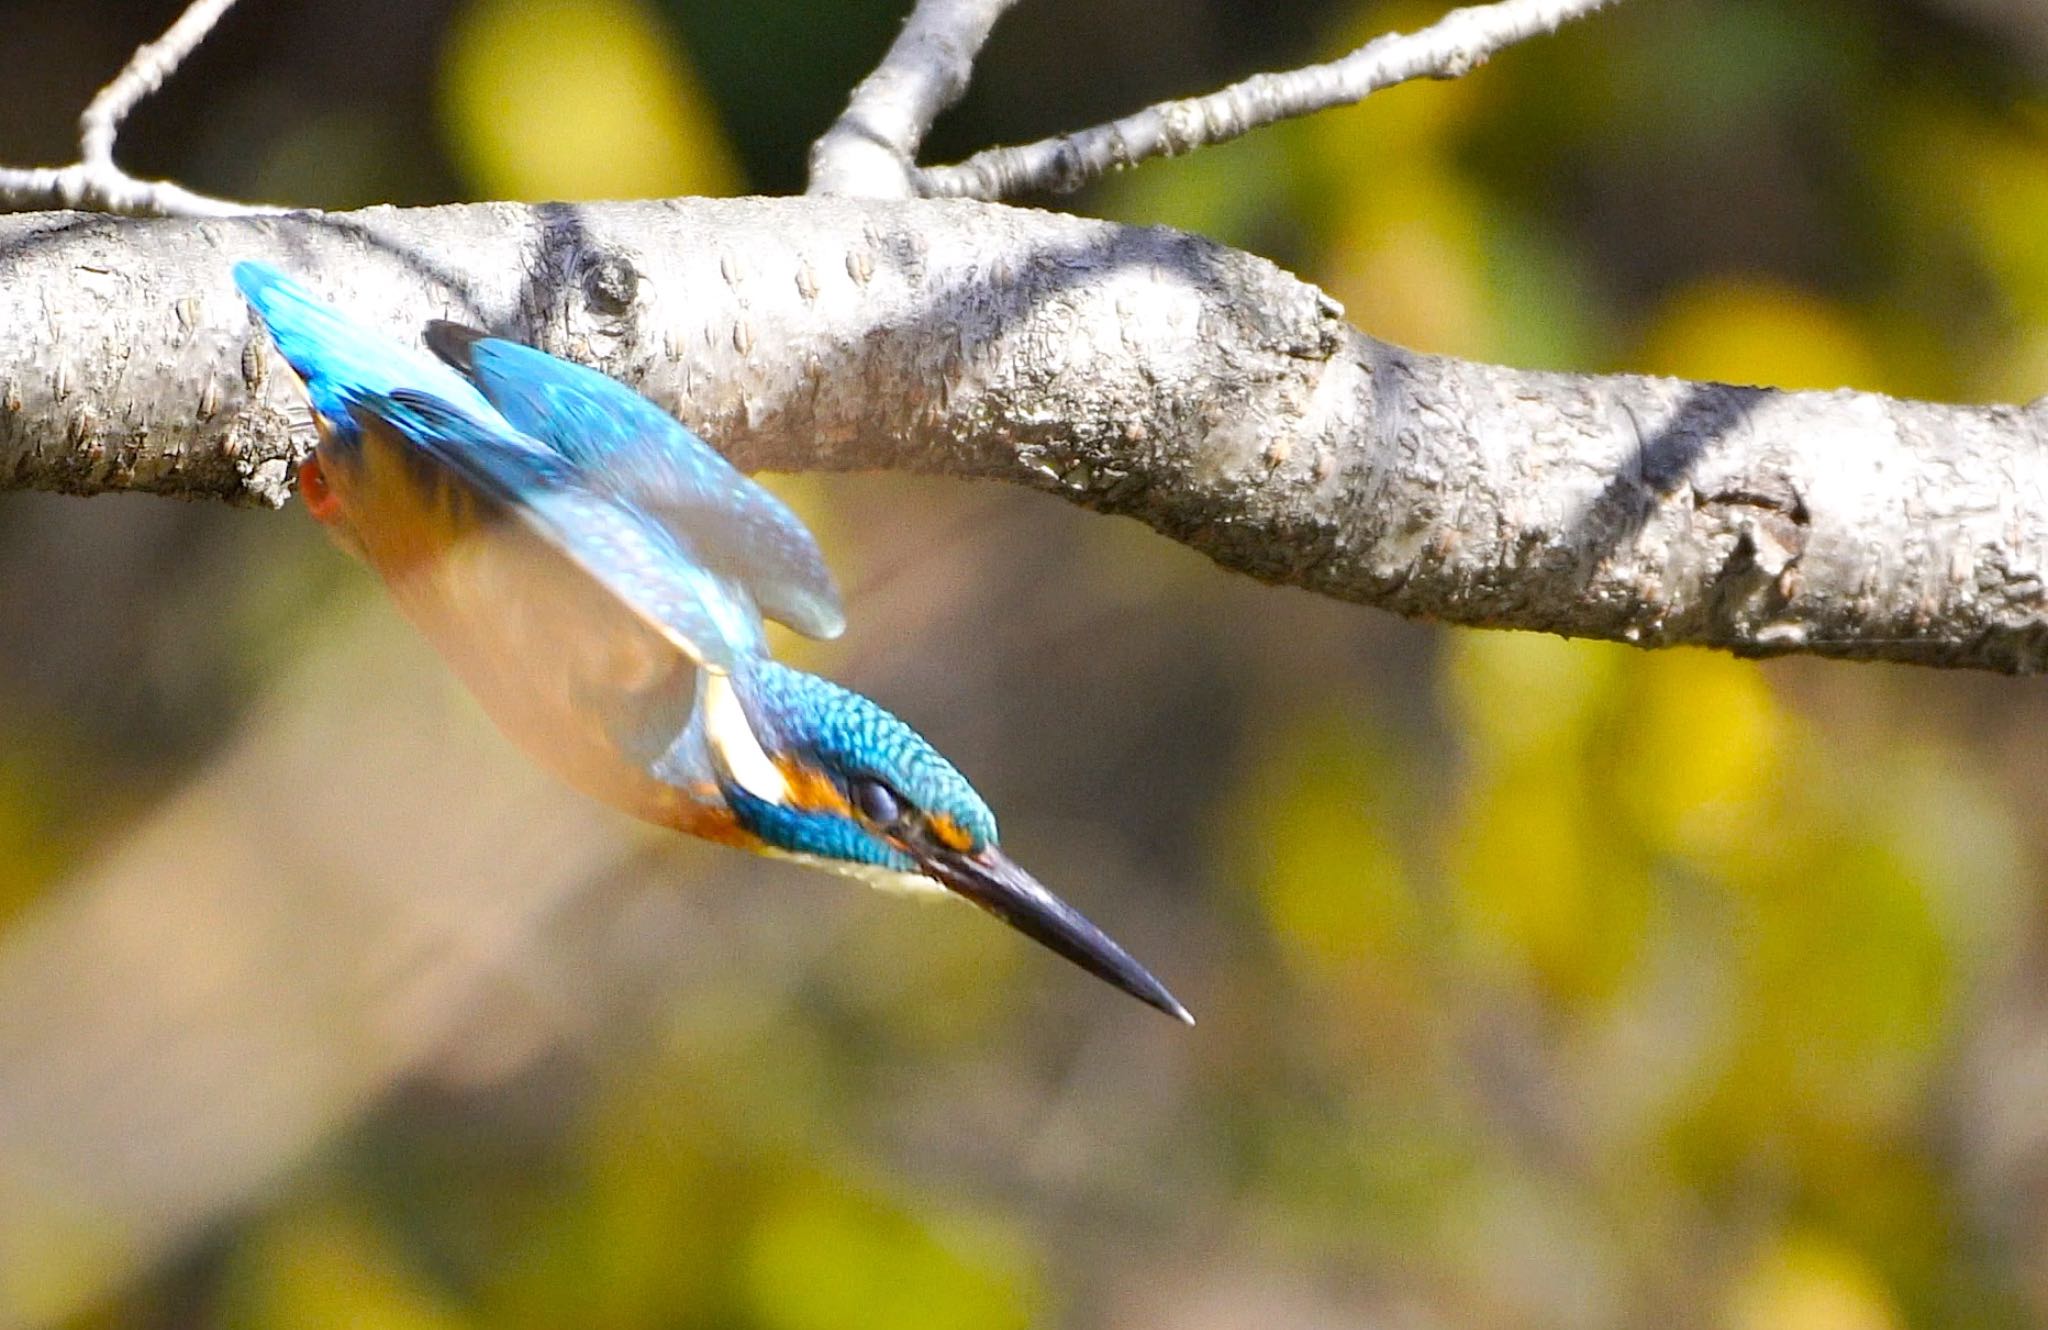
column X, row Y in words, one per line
column 320, row 500
column 704, row 816
column 812, row 789
column 950, row 833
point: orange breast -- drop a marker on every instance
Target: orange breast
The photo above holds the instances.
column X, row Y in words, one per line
column 578, row 682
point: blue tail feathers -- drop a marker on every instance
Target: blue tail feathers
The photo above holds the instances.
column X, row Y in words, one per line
column 345, row 365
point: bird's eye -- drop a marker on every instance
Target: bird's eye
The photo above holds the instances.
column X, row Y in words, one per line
column 877, row 803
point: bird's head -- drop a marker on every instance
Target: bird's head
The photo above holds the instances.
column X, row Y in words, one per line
column 823, row 775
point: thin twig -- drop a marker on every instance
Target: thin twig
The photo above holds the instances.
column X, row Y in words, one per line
column 1459, row 42
column 95, row 181
column 871, row 150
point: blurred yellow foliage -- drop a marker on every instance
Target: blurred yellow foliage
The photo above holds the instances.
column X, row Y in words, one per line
column 827, row 1257
column 1409, row 237
column 31, row 851
column 1520, row 693
column 1538, row 874
column 2022, row 374
column 1754, row 331
column 1406, row 260
column 1808, row 1283
column 1986, row 178
column 1401, row 123
column 577, row 99
column 2005, row 178
column 55, row 1247
column 1332, row 884
column 330, row 1270
column 628, row 1244
column 1538, row 881
column 924, row 970
column 1696, row 763
column 1404, row 250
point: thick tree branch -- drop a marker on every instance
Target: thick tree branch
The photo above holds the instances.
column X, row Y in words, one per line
column 1449, row 48
column 1144, row 372
column 95, row 181
column 871, row 150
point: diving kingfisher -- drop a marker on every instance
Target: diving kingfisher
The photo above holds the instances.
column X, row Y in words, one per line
column 596, row 574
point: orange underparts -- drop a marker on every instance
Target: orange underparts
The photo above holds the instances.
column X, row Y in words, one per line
column 320, row 500
column 704, row 816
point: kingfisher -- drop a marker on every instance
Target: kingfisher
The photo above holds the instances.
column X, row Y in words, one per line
column 597, row 575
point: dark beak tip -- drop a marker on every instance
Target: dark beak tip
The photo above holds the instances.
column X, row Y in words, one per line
column 991, row 881
column 1140, row 984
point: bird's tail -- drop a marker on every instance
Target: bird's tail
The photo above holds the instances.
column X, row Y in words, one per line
column 341, row 362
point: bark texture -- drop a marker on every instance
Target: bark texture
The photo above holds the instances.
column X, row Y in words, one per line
column 1137, row 371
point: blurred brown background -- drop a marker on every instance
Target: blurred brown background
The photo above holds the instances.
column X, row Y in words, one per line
column 1541, row 984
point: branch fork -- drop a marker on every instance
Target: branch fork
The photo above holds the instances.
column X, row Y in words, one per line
column 95, row 182
column 872, row 149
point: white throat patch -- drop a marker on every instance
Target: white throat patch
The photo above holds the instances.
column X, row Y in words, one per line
column 871, row 875
column 734, row 744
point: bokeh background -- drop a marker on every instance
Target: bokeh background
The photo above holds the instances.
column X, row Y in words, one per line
column 1541, row 983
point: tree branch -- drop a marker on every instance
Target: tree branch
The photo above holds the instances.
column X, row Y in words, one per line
column 1133, row 371
column 1450, row 48
column 94, row 181
column 871, row 150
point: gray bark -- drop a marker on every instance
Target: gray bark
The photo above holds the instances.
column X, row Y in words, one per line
column 1144, row 372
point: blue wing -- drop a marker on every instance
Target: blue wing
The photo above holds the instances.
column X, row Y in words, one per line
column 637, row 560
column 633, row 450
column 356, row 379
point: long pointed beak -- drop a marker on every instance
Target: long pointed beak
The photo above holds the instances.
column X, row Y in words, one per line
column 1012, row 895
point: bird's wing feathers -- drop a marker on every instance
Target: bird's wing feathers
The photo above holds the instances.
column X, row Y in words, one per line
column 638, row 561
column 355, row 377
column 629, row 448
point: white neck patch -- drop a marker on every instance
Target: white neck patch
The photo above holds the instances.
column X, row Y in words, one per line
column 871, row 875
column 734, row 744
